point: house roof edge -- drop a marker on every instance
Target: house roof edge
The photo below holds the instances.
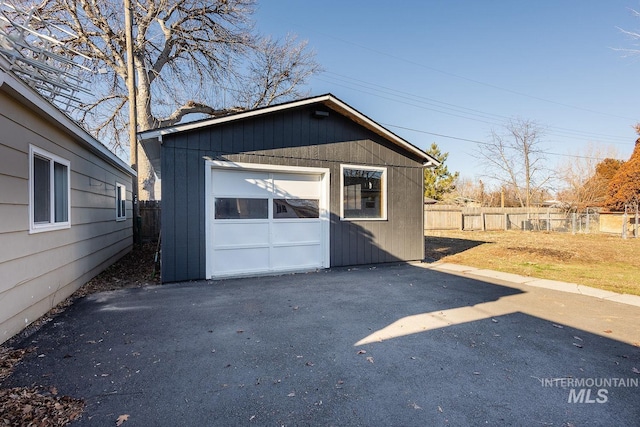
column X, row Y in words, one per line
column 327, row 99
column 17, row 88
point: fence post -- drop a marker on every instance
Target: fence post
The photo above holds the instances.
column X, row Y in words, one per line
column 506, row 221
column 588, row 225
column 624, row 223
column 573, row 222
column 548, row 220
column 461, row 221
column 484, row 222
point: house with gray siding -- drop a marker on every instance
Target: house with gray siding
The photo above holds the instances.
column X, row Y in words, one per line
column 65, row 205
column 304, row 185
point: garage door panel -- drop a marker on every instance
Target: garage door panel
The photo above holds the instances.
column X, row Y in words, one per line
column 289, row 186
column 290, row 257
column 240, row 184
column 241, row 260
column 238, row 234
column 296, row 232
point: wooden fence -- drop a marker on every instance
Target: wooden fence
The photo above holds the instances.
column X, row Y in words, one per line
column 443, row 217
column 626, row 225
column 149, row 220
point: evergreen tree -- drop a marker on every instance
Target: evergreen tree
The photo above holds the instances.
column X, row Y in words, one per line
column 438, row 181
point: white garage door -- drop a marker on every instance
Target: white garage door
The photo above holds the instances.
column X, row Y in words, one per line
column 265, row 221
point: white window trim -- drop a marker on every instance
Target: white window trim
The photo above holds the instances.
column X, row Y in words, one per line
column 383, row 196
column 50, row 226
column 124, row 198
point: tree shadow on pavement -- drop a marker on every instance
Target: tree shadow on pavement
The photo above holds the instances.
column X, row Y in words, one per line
column 436, row 248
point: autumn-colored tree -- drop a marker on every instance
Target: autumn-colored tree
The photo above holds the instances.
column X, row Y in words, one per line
column 624, row 188
column 584, row 177
column 592, row 192
column 608, row 168
column 438, row 181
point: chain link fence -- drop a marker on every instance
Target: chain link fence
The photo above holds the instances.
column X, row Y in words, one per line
column 442, row 217
column 590, row 221
column 569, row 222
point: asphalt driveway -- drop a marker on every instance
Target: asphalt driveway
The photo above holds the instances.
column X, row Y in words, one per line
column 388, row 345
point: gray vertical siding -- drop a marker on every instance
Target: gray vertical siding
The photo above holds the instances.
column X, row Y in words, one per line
column 39, row 270
column 291, row 138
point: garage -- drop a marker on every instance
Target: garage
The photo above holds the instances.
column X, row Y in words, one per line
column 299, row 186
column 266, row 219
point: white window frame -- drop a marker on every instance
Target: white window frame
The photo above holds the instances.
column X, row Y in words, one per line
column 383, row 197
column 120, row 201
column 38, row 227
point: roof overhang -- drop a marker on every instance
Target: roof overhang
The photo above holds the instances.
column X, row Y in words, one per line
column 18, row 89
column 151, row 140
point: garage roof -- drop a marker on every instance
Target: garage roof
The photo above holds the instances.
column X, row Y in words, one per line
column 152, row 139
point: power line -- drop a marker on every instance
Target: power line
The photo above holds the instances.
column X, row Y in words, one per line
column 490, row 85
column 551, row 153
column 459, row 111
column 412, row 96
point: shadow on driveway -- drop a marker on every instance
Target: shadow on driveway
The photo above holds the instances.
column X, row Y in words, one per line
column 436, row 247
column 386, row 345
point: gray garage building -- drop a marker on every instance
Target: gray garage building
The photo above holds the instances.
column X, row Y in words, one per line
column 298, row 186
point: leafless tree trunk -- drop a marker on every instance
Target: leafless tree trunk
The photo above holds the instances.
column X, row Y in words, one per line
column 514, row 157
column 191, row 57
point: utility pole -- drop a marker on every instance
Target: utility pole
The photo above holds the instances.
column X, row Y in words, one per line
column 133, row 121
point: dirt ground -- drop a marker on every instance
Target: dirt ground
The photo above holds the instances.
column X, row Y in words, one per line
column 37, row 406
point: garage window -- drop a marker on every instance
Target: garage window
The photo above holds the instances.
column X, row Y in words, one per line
column 296, row 208
column 364, row 191
column 241, row 208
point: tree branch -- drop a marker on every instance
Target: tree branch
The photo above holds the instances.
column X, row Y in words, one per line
column 193, row 107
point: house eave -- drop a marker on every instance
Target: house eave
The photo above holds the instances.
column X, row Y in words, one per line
column 16, row 88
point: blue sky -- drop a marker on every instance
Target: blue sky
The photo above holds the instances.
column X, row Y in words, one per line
column 447, row 71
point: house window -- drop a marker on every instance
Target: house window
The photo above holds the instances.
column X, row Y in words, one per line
column 121, row 202
column 49, row 189
column 364, row 192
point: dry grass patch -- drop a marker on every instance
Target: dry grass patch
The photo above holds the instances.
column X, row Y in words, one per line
column 601, row 261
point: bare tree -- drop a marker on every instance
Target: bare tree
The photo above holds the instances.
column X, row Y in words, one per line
column 469, row 190
column 190, row 57
column 582, row 185
column 515, row 158
column 633, row 35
